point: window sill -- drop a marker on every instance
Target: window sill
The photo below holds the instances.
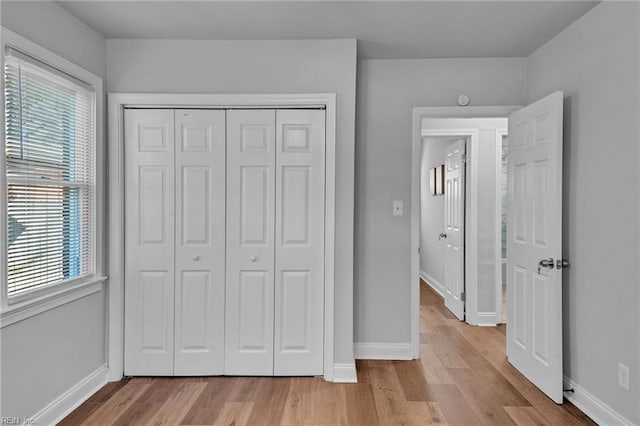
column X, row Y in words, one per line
column 22, row 310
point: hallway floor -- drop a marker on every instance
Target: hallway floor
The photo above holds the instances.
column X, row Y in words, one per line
column 461, row 378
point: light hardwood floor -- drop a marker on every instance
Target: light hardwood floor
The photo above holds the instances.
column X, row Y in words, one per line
column 461, row 378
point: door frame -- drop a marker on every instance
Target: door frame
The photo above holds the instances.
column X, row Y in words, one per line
column 500, row 133
column 116, row 210
column 420, row 113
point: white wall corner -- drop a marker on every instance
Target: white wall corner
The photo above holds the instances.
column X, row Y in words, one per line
column 599, row 411
column 433, row 283
column 345, row 373
column 392, row 351
column 64, row 404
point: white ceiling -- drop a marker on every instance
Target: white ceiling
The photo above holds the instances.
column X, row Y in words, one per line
column 384, row 29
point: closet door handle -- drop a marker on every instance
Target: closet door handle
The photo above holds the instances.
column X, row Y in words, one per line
column 253, row 258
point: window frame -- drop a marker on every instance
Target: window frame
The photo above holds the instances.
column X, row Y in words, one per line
column 49, row 297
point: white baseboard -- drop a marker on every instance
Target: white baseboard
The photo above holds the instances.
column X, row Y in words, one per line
column 485, row 319
column 63, row 405
column 345, row 373
column 596, row 409
column 395, row 351
column 431, row 282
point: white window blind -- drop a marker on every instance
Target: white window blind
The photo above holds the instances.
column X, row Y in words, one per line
column 50, row 157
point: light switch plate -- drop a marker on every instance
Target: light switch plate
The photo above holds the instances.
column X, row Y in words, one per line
column 623, row 376
column 398, row 209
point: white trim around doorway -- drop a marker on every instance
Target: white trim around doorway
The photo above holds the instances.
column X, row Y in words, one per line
column 117, row 103
column 500, row 133
column 420, row 113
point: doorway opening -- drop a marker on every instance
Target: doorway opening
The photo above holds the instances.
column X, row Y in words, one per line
column 442, row 214
column 464, row 239
column 455, row 122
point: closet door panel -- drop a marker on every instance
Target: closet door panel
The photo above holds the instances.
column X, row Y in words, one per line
column 200, row 242
column 149, row 242
column 250, row 242
column 299, row 260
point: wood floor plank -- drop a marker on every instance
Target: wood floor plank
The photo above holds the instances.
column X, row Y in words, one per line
column 421, row 413
column 434, row 371
column 482, row 344
column 177, row 406
column 159, row 390
column 119, row 402
column 387, row 393
column 211, row 401
column 449, row 353
column 502, row 391
column 360, row 405
column 480, row 398
column 432, row 315
column 362, row 370
column 244, row 390
column 526, row 416
column 108, row 390
column 270, row 399
column 312, row 401
column 390, row 402
column 412, row 379
column 454, row 407
column 139, row 413
column 233, row 413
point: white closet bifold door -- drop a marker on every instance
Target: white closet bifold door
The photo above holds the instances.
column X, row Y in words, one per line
column 149, row 242
column 200, row 242
column 225, row 217
column 299, row 267
column 250, row 242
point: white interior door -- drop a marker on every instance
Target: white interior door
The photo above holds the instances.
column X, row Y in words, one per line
column 454, row 197
column 250, row 242
column 149, row 242
column 299, row 267
column 200, row 242
column 534, row 235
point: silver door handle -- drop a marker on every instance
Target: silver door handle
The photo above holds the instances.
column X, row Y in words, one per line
column 442, row 235
column 546, row 263
column 253, row 258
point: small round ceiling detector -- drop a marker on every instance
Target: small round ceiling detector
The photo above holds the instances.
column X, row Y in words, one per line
column 463, row 100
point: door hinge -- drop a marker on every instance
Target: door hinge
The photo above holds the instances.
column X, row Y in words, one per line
column 464, row 158
column 463, row 296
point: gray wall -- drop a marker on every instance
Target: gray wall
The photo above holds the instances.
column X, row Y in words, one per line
column 596, row 63
column 387, row 92
column 47, row 24
column 45, row 355
column 193, row 66
column 432, row 212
